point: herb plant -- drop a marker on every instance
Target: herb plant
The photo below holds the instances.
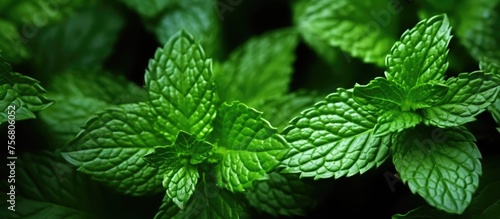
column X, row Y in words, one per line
column 250, row 109
column 413, row 115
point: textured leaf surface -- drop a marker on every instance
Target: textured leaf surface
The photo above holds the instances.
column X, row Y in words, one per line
column 186, row 149
column 211, row 202
column 180, row 184
column 198, row 17
column 334, row 138
column 47, row 188
column 426, row 95
column 83, row 41
column 396, row 121
column 490, row 66
column 365, row 29
column 380, row 93
column 250, row 147
column 23, row 92
column 282, row 194
column 468, row 96
column 485, row 204
column 420, row 55
column 261, row 68
column 110, row 149
column 79, row 95
column 181, row 89
column 441, row 165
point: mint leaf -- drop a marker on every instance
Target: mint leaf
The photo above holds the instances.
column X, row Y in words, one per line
column 477, row 27
column 181, row 89
column 167, row 156
column 379, row 94
column 79, row 95
column 468, row 96
column 199, row 150
column 364, row 29
column 493, row 67
column 148, row 8
column 282, row 194
column 167, row 209
column 180, row 183
column 334, row 138
column 260, row 68
column 84, row 40
column 420, row 55
column 441, row 165
column 279, row 110
column 20, row 93
column 47, row 187
column 426, row 95
column 198, row 17
column 110, row 149
column 186, row 149
column 396, row 121
column 208, row 201
column 250, row 147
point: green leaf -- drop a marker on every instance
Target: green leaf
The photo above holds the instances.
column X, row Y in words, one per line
column 260, row 68
column 469, row 95
column 379, row 94
column 46, row 187
column 80, row 94
column 251, row 148
column 477, row 29
column 180, row 184
column 111, row 146
column 365, row 29
column 186, row 149
column 198, row 17
column 421, row 54
column 485, row 204
column 211, row 202
column 84, row 40
column 149, row 8
column 20, row 93
column 167, row 156
column 167, row 209
column 334, row 138
column 279, row 110
column 426, row 95
column 396, row 121
column 181, row 88
column 282, row 194
column 490, row 66
column 441, row 165
column 189, row 144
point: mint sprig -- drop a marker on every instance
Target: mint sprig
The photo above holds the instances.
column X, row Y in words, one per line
column 179, row 135
column 351, row 131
